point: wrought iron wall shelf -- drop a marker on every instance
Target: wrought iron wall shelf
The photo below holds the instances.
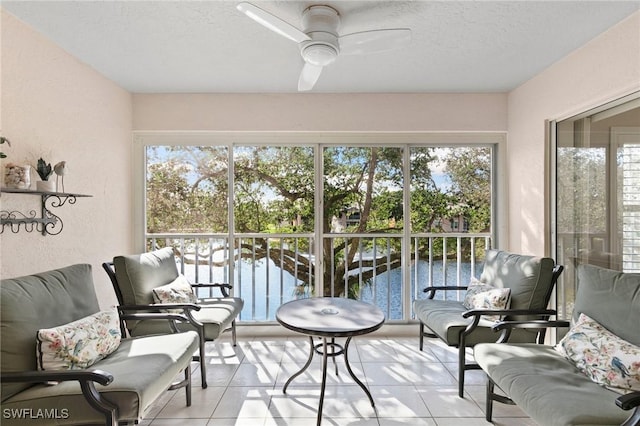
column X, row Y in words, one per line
column 46, row 223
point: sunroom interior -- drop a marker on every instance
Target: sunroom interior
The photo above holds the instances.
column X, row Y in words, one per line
column 63, row 105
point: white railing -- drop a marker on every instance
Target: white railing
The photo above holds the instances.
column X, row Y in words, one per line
column 267, row 270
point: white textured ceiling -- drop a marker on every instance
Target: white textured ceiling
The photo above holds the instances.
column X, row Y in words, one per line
column 209, row 46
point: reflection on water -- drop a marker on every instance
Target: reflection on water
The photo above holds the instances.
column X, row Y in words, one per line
column 264, row 287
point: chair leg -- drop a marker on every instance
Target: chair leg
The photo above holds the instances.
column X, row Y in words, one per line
column 462, row 367
column 233, row 332
column 187, row 388
column 203, row 361
column 421, row 335
column 461, row 370
column 489, row 403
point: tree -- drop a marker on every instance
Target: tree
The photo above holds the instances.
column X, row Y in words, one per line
column 274, row 190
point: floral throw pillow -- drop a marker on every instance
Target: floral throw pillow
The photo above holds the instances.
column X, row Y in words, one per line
column 485, row 296
column 177, row 291
column 604, row 357
column 78, row 344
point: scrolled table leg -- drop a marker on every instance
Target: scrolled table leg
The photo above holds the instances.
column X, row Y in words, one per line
column 353, row 376
column 311, row 351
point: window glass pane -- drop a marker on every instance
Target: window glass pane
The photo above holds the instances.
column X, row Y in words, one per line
column 450, row 196
column 363, row 189
column 273, row 189
column 363, row 250
column 186, row 189
column 450, row 189
column 362, row 193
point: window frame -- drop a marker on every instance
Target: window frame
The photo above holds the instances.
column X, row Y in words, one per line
column 319, row 140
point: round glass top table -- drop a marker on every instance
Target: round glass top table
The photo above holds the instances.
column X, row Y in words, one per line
column 328, row 318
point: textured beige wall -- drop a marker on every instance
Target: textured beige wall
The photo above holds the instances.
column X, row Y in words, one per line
column 321, row 112
column 56, row 107
column 604, row 69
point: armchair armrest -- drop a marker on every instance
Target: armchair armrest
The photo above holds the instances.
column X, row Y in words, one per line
column 507, row 326
column 142, row 313
column 157, row 306
column 98, row 376
column 628, row 401
column 87, row 380
column 224, row 287
column 478, row 313
column 505, row 312
column 432, row 290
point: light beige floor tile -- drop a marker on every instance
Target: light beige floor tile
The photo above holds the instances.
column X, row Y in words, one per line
column 444, row 401
column 255, row 374
column 408, row 386
column 180, row 422
column 379, row 350
column 223, row 353
column 236, row 422
column 385, row 374
column 428, row 373
column 517, row 421
column 457, row 421
column 398, row 402
column 425, row 421
column 313, row 374
column 244, row 402
column 203, row 402
column 217, row 375
column 263, row 351
column 407, row 352
column 471, row 377
column 339, row 401
column 296, row 403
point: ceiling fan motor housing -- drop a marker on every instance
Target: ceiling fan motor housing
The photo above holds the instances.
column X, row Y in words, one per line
column 321, row 25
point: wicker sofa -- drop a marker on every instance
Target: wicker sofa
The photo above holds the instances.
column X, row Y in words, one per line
column 553, row 390
column 119, row 388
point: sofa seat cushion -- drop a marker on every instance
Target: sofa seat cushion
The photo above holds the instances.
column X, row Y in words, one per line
column 216, row 314
column 141, row 367
column 444, row 318
column 547, row 387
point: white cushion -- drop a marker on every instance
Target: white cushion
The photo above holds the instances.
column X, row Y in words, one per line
column 485, row 296
column 78, row 344
column 604, row 357
column 177, row 291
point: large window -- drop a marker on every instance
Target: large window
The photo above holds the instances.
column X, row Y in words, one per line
column 598, row 192
column 298, row 217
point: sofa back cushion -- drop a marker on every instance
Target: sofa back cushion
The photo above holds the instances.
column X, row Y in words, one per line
column 611, row 298
column 33, row 302
column 528, row 277
column 139, row 274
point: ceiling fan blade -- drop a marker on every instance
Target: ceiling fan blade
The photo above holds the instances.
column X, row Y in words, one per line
column 374, row 41
column 308, row 77
column 272, row 22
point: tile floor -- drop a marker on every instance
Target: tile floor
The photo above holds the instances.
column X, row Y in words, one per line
column 409, row 387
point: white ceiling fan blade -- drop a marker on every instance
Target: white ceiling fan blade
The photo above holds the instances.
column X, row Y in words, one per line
column 272, row 22
column 308, row 76
column 374, row 41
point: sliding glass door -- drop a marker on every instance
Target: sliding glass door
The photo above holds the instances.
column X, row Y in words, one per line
column 597, row 186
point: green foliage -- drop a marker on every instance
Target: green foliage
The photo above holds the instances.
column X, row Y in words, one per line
column 44, row 169
column 187, row 191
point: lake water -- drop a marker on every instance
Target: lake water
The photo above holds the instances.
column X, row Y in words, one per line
column 264, row 288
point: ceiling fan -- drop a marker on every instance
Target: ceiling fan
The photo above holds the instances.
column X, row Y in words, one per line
column 319, row 41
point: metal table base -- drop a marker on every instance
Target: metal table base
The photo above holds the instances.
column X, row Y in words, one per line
column 328, row 349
